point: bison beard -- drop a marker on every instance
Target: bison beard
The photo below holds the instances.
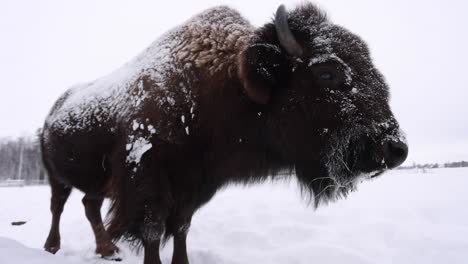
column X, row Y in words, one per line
column 213, row 102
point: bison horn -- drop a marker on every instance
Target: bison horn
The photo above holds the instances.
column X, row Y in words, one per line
column 285, row 36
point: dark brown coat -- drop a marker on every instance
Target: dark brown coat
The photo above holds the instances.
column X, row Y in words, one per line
column 217, row 101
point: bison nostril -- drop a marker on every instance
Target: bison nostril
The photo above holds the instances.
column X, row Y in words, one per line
column 395, row 153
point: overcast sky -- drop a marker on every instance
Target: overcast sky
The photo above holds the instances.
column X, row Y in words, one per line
column 420, row 46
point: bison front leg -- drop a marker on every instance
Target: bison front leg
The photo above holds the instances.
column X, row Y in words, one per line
column 151, row 251
column 148, row 202
column 179, row 255
column 152, row 230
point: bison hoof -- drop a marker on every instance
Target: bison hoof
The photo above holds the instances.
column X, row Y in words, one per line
column 51, row 249
column 107, row 251
column 117, row 259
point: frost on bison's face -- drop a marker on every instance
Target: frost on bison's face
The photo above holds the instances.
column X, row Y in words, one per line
column 324, row 94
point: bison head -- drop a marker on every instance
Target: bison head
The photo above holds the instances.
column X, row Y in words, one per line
column 326, row 106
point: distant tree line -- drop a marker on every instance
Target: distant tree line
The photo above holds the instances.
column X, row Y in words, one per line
column 20, row 159
column 457, row 164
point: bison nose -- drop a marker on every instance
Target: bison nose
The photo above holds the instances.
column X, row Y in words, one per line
column 395, row 153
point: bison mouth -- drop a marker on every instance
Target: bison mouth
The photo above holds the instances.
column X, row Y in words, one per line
column 376, row 174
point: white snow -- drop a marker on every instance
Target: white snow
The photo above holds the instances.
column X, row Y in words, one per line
column 138, row 148
column 15, row 253
column 151, row 129
column 401, row 217
column 135, row 125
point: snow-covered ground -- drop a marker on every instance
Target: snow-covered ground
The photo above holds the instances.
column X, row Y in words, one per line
column 401, row 217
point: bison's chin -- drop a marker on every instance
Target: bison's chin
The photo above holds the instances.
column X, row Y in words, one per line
column 319, row 186
column 329, row 181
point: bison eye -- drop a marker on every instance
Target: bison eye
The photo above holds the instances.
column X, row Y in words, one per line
column 328, row 76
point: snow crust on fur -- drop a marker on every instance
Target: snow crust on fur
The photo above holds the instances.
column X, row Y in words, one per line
column 210, row 39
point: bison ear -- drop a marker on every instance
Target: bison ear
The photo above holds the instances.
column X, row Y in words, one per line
column 261, row 70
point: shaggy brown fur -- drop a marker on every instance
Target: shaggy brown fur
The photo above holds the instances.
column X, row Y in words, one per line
column 216, row 101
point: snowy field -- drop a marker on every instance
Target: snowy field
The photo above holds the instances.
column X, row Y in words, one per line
column 401, row 217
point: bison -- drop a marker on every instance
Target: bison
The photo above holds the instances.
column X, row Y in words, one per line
column 212, row 102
